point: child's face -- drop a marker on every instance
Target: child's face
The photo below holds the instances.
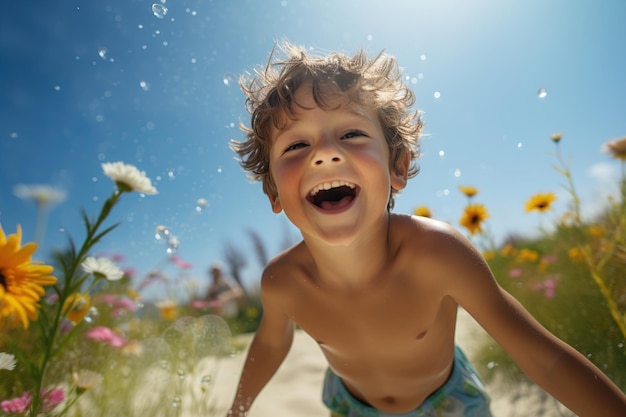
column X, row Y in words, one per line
column 331, row 169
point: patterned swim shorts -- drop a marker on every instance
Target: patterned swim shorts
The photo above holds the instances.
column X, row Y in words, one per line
column 463, row 395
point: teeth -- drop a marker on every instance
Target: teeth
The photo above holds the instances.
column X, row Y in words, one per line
column 329, row 185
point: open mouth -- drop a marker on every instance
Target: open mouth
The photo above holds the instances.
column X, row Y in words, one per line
column 332, row 196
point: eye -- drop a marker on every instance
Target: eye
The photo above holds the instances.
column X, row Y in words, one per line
column 294, row 146
column 353, row 134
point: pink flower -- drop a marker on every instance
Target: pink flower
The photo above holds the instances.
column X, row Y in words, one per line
column 51, row 398
column 17, row 405
column 515, row 272
column 180, row 263
column 130, row 272
column 548, row 286
column 106, row 335
column 118, row 303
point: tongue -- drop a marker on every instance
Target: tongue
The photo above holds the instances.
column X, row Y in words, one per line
column 330, row 205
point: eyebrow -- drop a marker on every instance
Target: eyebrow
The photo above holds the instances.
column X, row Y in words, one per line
column 292, row 122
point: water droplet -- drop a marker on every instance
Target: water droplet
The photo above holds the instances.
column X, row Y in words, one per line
column 423, row 57
column 201, row 204
column 102, row 51
column 57, row 88
column 159, row 10
column 145, row 86
column 181, row 374
column 442, row 153
column 519, row 145
column 173, row 243
column 92, row 314
column 229, row 79
column 437, row 94
column 542, row 93
column 492, row 365
column 161, row 232
column 165, row 364
column 457, row 172
column 176, row 402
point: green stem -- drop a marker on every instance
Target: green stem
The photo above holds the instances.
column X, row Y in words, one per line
column 50, row 337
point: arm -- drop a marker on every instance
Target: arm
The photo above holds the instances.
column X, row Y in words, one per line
column 557, row 367
column 268, row 349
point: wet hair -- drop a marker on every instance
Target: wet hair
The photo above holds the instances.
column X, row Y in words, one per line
column 370, row 83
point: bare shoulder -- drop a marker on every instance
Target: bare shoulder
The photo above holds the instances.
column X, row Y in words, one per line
column 284, row 267
column 439, row 251
column 426, row 234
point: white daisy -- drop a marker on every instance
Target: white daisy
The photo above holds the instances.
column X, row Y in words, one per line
column 102, row 268
column 7, row 361
column 42, row 194
column 128, row 177
column 86, row 379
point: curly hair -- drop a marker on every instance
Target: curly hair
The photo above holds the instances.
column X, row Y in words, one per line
column 374, row 84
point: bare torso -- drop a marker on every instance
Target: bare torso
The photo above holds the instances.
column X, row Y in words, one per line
column 390, row 340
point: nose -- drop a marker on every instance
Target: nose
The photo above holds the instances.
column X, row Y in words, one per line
column 326, row 150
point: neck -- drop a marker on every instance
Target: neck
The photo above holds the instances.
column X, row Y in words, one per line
column 356, row 264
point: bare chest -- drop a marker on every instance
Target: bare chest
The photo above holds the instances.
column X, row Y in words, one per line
column 379, row 325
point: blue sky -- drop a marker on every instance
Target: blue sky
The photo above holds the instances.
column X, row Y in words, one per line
column 88, row 82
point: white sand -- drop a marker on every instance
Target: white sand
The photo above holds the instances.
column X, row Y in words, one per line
column 295, row 389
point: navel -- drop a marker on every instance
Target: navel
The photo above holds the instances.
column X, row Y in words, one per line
column 421, row 335
column 389, row 400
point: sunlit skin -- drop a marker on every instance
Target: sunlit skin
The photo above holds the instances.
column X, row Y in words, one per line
column 379, row 292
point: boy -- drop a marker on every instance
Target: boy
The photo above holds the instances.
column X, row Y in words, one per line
column 333, row 140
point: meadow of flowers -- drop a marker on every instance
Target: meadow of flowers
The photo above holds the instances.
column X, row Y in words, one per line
column 571, row 276
column 76, row 339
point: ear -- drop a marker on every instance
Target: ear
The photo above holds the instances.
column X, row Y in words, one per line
column 400, row 172
column 275, row 202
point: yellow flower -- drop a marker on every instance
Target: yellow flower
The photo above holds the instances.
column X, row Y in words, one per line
column 252, row 312
column 134, row 295
column 616, row 148
column 595, row 231
column 540, row 202
column 76, row 306
column 422, row 211
column 168, row 309
column 489, row 255
column 473, row 216
column 21, row 280
column 525, row 255
column 575, row 254
column 468, row 190
column 508, row 250
column 556, row 137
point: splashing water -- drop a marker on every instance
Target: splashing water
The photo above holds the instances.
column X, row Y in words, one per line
column 163, row 233
column 159, row 10
column 205, row 382
column 92, row 314
column 201, row 204
column 229, row 79
column 102, row 52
